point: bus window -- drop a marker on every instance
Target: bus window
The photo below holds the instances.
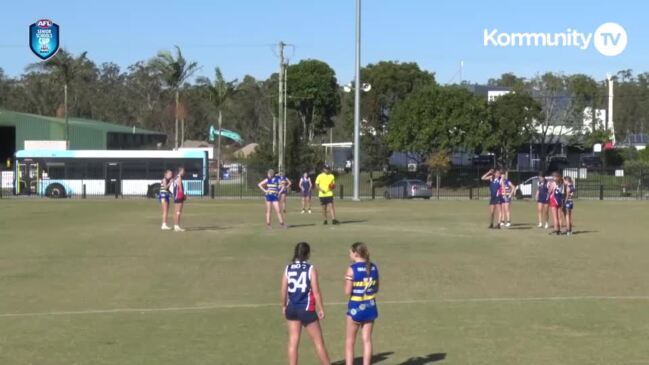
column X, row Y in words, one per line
column 156, row 169
column 55, row 170
column 134, row 170
column 95, row 169
column 75, row 170
column 193, row 169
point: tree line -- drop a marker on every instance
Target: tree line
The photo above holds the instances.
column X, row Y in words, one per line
column 406, row 109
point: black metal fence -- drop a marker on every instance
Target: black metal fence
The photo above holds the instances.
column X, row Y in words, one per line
column 456, row 183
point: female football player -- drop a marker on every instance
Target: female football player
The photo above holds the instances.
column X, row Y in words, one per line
column 283, row 194
column 179, row 198
column 361, row 285
column 495, row 191
column 306, row 186
column 165, row 188
column 556, row 192
column 542, row 201
column 569, row 205
column 507, row 194
column 272, row 188
column 302, row 304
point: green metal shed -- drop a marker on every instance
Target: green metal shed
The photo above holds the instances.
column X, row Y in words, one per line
column 16, row 128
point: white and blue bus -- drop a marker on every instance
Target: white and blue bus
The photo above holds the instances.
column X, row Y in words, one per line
column 61, row 173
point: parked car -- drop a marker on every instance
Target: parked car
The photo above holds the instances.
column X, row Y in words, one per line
column 591, row 162
column 408, row 189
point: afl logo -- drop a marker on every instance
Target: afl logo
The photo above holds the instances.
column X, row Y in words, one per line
column 44, row 39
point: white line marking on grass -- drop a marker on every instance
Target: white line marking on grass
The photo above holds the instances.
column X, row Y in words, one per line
column 384, row 302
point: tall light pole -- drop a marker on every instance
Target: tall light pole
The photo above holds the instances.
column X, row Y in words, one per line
column 357, row 107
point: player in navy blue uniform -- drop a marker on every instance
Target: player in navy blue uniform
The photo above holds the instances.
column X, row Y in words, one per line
column 361, row 285
column 507, row 194
column 165, row 193
column 542, row 209
column 569, row 203
column 283, row 194
column 272, row 188
column 306, row 188
column 302, row 304
column 495, row 192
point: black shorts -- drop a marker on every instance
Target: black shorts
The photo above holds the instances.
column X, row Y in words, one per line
column 300, row 314
column 327, row 200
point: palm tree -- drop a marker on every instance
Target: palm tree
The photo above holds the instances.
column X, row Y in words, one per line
column 66, row 69
column 219, row 91
column 173, row 71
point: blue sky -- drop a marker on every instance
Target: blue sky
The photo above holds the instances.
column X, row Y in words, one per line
column 237, row 35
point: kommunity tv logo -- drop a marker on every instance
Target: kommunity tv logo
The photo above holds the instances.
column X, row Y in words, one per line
column 609, row 39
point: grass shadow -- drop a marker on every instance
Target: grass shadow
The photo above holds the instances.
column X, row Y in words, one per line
column 428, row 359
column 301, row 225
column 519, row 227
column 208, row 228
column 353, row 221
column 584, row 232
column 359, row 360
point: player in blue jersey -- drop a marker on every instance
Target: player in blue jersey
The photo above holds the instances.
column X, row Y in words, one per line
column 283, row 194
column 302, row 304
column 361, row 285
column 508, row 192
column 495, row 191
column 272, row 188
column 542, row 209
column 569, row 203
column 306, row 188
column 165, row 193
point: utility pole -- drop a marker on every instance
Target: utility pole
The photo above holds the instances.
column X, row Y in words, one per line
column 67, row 123
column 357, row 107
column 280, row 111
column 285, row 108
column 274, row 134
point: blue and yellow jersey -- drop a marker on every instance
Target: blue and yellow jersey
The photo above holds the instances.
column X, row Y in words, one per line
column 362, row 302
column 273, row 185
column 300, row 295
column 570, row 190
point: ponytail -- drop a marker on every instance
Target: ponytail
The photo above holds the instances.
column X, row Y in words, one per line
column 361, row 250
column 302, row 252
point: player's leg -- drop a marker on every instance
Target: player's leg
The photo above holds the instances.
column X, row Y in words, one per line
column 539, row 213
column 492, row 212
column 268, row 208
column 366, row 332
column 303, row 203
column 332, row 208
column 569, row 221
column 178, row 209
column 546, row 214
column 294, row 331
column 165, row 212
column 278, row 211
column 315, row 332
column 323, row 203
column 308, row 199
column 350, row 340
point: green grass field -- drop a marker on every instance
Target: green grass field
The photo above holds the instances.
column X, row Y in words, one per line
column 97, row 282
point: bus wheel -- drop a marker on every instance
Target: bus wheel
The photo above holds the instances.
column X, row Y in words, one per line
column 55, row 190
column 153, row 191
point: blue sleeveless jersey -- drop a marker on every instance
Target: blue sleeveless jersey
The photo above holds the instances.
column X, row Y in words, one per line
column 362, row 303
column 543, row 192
column 305, row 184
column 273, row 185
column 558, row 195
column 495, row 188
column 300, row 295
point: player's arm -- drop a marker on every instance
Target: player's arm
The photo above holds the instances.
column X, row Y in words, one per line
column 317, row 183
column 315, row 286
column 262, row 185
column 487, row 175
column 284, row 292
column 349, row 278
column 513, row 189
column 289, row 183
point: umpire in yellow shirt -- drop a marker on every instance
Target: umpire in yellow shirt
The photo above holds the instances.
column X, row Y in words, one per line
column 326, row 183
